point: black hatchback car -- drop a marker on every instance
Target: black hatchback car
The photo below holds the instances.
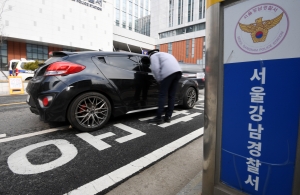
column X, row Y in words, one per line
column 87, row 88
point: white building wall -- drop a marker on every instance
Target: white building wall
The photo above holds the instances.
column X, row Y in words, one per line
column 132, row 38
column 60, row 22
column 159, row 17
column 160, row 20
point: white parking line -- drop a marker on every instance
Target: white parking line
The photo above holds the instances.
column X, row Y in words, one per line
column 118, row 175
column 134, row 133
column 175, row 113
column 182, row 119
column 33, row 134
column 2, row 135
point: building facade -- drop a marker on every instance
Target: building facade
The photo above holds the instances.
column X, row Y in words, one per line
column 132, row 26
column 34, row 28
column 178, row 27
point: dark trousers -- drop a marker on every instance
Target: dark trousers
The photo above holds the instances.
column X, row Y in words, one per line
column 168, row 86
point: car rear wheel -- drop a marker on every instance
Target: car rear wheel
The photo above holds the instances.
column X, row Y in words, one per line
column 89, row 112
column 190, row 98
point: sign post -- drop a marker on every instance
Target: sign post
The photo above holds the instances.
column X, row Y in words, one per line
column 252, row 113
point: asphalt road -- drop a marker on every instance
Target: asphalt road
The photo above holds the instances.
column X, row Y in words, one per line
column 43, row 158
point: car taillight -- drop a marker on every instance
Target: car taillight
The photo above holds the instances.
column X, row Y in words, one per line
column 45, row 101
column 63, row 68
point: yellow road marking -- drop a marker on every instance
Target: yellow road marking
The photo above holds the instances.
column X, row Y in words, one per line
column 12, row 104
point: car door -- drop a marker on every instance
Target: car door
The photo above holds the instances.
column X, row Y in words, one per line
column 152, row 85
column 123, row 72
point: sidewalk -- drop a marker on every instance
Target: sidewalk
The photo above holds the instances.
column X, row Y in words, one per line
column 178, row 174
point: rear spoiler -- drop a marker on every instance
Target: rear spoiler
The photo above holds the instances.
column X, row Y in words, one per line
column 61, row 53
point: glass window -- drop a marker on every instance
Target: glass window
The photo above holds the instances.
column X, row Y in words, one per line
column 118, row 4
column 125, row 62
column 190, row 10
column 117, row 17
column 141, row 3
column 187, row 48
column 136, row 13
column 171, row 12
column 130, row 21
column 170, row 48
column 36, row 52
column 29, row 55
column 124, row 5
column 189, row 29
column 3, row 52
column 28, row 47
column 4, row 45
column 4, row 60
column 130, row 8
column 193, row 47
column 102, row 60
column 141, row 12
column 183, row 30
column 22, row 65
column 204, row 9
column 180, row 11
column 200, row 9
column 124, row 20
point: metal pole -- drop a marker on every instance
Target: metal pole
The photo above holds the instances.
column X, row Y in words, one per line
column 212, row 62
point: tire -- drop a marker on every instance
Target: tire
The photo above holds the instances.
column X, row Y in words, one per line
column 189, row 98
column 84, row 112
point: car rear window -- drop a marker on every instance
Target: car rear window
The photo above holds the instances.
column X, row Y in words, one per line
column 52, row 59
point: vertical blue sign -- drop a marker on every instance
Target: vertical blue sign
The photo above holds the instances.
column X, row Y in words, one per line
column 260, row 125
column 261, row 100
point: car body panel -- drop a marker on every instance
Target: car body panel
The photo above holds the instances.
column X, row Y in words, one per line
column 123, row 87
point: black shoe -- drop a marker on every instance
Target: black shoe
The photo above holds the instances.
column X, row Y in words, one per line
column 167, row 119
column 155, row 120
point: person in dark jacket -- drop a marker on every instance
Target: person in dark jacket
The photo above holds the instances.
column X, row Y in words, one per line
column 167, row 72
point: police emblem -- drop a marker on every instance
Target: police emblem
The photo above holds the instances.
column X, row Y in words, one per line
column 261, row 28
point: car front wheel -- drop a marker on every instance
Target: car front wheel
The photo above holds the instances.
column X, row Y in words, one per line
column 190, row 98
column 89, row 112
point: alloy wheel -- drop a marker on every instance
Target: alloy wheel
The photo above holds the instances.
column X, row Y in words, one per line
column 191, row 97
column 91, row 111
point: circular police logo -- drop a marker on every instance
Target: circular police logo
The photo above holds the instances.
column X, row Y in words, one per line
column 262, row 28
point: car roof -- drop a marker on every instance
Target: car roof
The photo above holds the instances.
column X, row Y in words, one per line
column 104, row 53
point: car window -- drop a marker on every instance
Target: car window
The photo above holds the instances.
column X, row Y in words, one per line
column 14, row 65
column 128, row 62
column 144, row 64
column 22, row 65
column 102, row 60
